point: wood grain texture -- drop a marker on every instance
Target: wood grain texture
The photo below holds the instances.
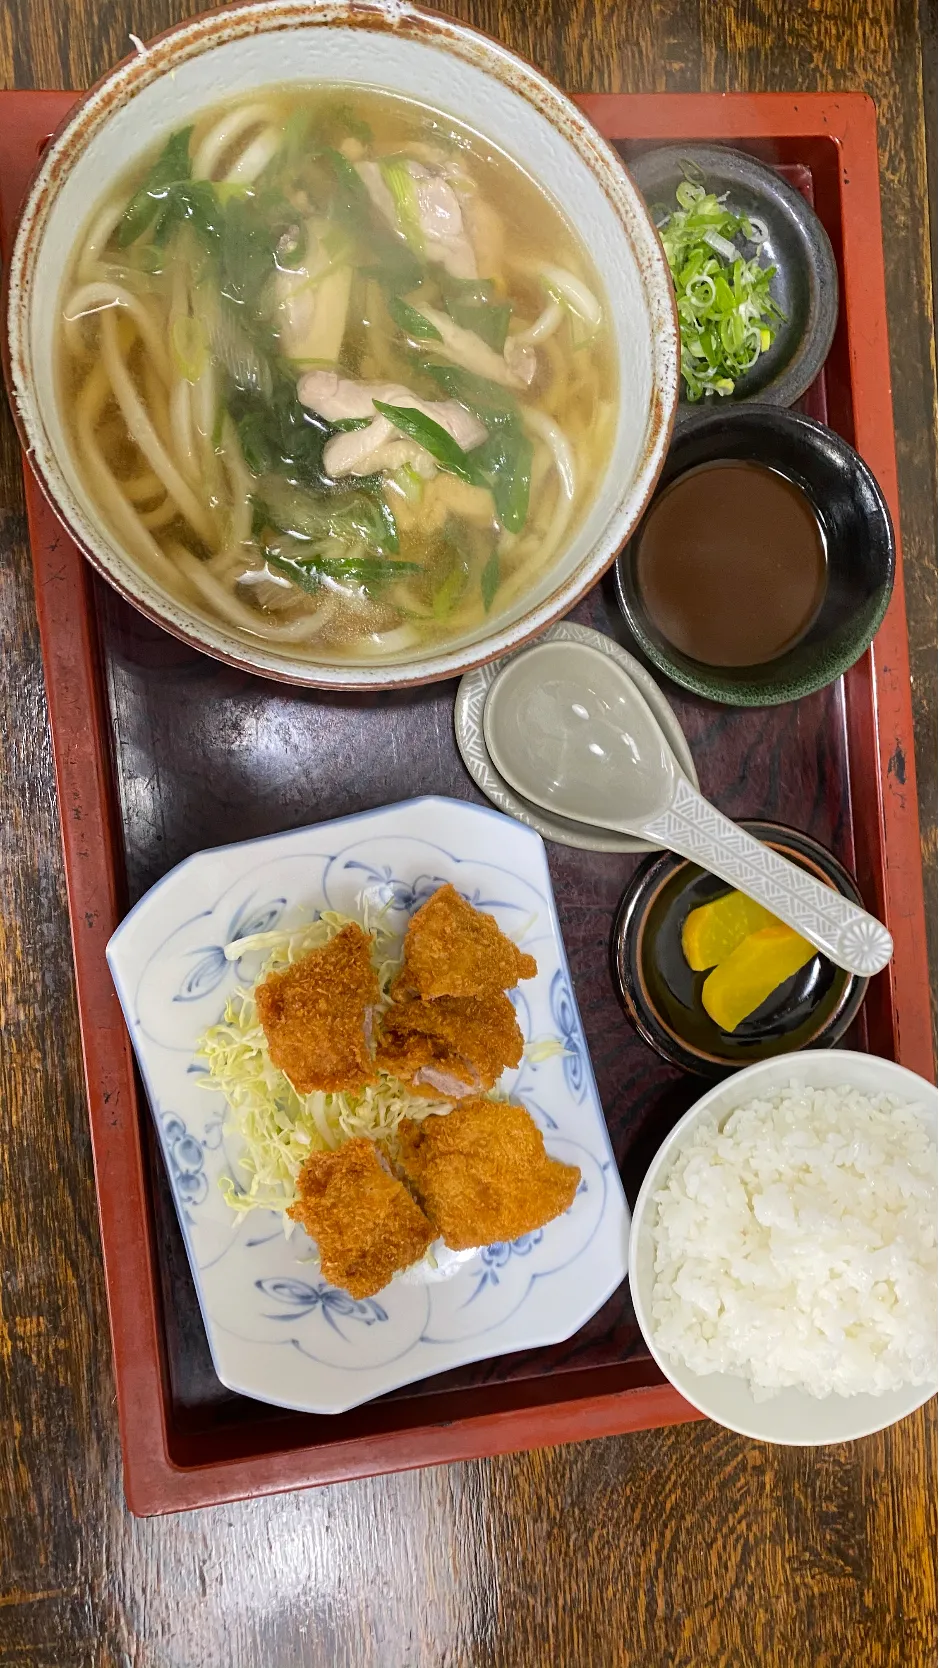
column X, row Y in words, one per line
column 679, row 1547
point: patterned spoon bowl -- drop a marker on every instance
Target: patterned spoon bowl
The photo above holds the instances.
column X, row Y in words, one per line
column 568, row 729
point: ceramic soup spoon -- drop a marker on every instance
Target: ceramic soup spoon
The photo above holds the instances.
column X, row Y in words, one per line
column 569, row 730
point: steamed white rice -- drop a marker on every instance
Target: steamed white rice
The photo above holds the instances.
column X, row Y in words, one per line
column 795, row 1245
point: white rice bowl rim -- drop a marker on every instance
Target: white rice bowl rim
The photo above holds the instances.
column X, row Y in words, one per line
column 791, row 1418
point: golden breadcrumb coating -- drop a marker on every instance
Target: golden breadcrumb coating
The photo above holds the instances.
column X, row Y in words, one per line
column 364, row 1222
column 452, row 949
column 313, row 1015
column 467, row 1038
column 481, row 1173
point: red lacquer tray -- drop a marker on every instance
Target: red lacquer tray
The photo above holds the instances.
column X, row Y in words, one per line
column 160, row 752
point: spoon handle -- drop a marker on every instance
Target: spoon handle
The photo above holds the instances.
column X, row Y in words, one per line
column 847, row 935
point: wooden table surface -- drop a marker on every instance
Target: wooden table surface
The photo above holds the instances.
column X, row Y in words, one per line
column 686, row 1547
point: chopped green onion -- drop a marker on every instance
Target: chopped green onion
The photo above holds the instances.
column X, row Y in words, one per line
column 433, row 437
column 409, row 482
column 395, row 264
column 489, row 580
column 491, row 403
column 412, row 322
column 506, row 458
column 354, row 125
column 310, row 571
column 503, row 462
column 449, row 592
column 397, row 176
column 726, row 312
column 189, row 346
column 688, row 194
column 170, row 168
column 472, row 303
column 489, row 321
column 352, row 517
column 721, row 245
column 692, row 170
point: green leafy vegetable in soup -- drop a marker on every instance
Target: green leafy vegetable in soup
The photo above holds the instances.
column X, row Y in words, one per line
column 339, row 374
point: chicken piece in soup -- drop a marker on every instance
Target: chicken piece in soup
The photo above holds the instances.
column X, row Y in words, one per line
column 339, row 373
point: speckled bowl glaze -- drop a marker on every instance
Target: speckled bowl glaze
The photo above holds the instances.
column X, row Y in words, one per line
column 417, row 54
column 859, row 541
column 805, row 283
column 662, row 996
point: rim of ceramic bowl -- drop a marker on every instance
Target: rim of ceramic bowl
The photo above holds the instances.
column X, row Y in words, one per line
column 705, row 680
column 245, row 19
column 903, row 1080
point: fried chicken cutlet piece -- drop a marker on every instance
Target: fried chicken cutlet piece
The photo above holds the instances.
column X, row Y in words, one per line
column 452, row 949
column 481, row 1173
column 454, row 1045
column 363, row 1220
column 313, row 1015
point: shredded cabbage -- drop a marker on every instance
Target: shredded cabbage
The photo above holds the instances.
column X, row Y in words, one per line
column 545, row 1048
column 277, row 1127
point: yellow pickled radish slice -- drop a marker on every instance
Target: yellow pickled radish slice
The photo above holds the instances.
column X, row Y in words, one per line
column 715, row 929
column 751, row 972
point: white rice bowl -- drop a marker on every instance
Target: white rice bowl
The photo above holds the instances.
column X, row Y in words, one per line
column 783, row 1252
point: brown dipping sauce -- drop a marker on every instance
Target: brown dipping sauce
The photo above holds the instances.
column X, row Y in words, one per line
column 731, row 564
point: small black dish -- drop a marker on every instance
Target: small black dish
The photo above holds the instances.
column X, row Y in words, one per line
column 859, row 544
column 662, row 996
column 805, row 284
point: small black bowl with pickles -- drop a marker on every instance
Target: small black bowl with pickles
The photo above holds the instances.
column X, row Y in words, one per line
column 661, row 994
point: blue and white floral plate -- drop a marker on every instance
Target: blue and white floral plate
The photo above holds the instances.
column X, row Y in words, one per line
column 277, row 1330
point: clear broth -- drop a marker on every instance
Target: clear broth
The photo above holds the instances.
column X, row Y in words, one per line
column 188, row 317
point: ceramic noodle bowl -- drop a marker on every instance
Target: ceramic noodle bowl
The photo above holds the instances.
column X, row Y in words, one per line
column 289, row 47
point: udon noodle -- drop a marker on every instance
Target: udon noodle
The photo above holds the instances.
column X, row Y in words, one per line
column 338, row 373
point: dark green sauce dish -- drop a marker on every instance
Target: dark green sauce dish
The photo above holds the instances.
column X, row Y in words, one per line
column 858, row 538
